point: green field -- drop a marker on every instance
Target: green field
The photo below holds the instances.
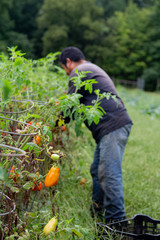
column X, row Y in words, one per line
column 141, row 161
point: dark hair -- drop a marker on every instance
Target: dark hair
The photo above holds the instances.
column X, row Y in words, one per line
column 73, row 53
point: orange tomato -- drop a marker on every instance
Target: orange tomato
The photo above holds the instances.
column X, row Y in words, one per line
column 12, row 172
column 63, row 128
column 30, row 122
column 57, row 104
column 37, row 140
column 52, row 177
column 12, row 169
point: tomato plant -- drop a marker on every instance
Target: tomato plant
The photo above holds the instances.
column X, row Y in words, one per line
column 31, row 100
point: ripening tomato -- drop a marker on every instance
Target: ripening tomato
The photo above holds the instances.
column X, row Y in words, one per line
column 52, row 177
column 50, row 226
column 30, row 122
column 15, row 176
column 63, row 128
column 4, row 134
column 12, row 169
column 40, row 186
column 57, row 104
column 37, row 140
column 37, row 186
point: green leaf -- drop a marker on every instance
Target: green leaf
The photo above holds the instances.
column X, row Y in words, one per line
column 78, row 234
column 32, row 175
column 31, row 146
column 47, row 132
column 28, row 185
column 6, row 89
column 15, row 189
column 96, row 120
column 62, row 97
column 68, row 230
column 76, row 71
column 3, row 175
column 32, row 214
column 18, row 61
column 33, row 116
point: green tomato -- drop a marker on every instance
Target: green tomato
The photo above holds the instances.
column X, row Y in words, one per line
column 55, row 157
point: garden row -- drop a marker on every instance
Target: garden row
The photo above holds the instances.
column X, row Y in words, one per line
column 30, row 145
column 33, row 139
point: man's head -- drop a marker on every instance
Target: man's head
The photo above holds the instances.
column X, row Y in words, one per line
column 71, row 57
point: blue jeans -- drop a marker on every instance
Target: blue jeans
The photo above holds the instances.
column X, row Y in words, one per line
column 106, row 173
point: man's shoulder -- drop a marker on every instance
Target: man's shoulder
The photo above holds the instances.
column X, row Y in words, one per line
column 88, row 67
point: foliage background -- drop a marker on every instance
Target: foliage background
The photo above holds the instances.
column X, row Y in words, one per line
column 120, row 36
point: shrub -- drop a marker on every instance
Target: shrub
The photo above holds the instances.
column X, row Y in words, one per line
column 150, row 77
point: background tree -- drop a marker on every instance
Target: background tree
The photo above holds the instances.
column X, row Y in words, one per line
column 25, row 34
column 5, row 23
column 126, row 43
column 79, row 23
column 15, row 29
column 144, row 3
column 112, row 6
column 152, row 72
column 120, row 36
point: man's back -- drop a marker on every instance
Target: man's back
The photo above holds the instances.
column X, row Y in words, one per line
column 116, row 115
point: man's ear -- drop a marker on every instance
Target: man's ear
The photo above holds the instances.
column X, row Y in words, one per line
column 68, row 62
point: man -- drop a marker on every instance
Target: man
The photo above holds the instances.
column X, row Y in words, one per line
column 111, row 135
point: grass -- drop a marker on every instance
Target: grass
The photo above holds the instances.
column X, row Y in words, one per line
column 141, row 161
column 140, row 171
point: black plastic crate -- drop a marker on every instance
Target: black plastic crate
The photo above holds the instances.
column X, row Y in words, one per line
column 140, row 227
